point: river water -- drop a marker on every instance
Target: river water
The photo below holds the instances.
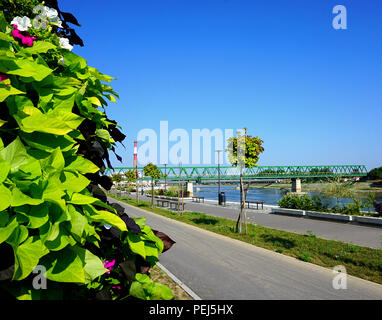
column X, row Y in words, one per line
column 269, row 196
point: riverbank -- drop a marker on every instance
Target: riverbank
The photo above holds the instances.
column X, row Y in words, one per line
column 360, row 189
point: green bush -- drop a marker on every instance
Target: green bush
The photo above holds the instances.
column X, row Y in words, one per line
column 315, row 203
column 292, row 201
column 375, row 173
column 54, row 141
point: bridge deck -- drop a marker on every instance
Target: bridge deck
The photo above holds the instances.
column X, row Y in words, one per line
column 258, row 172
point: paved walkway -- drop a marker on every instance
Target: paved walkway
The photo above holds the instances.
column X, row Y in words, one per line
column 363, row 235
column 217, row 267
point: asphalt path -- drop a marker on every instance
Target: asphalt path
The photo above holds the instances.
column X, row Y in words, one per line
column 360, row 234
column 217, row 267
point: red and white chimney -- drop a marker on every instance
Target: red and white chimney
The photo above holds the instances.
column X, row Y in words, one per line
column 135, row 159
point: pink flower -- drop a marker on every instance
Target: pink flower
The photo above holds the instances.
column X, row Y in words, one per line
column 108, row 264
column 26, row 39
column 116, row 287
column 3, row 77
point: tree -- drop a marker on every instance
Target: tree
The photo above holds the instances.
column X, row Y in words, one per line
column 243, row 152
column 130, row 176
column 116, row 177
column 151, row 170
column 375, row 174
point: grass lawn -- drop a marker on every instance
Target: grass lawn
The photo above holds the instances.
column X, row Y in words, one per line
column 158, row 275
column 362, row 262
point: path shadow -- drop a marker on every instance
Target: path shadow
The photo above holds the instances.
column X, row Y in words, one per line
column 205, row 221
column 277, row 241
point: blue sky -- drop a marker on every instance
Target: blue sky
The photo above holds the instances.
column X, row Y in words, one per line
column 310, row 92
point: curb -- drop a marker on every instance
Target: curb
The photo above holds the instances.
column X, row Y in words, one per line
column 179, row 283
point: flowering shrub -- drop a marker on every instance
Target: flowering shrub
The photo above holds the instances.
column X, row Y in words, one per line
column 54, row 139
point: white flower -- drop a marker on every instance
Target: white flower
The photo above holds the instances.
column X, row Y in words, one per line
column 22, row 23
column 45, row 12
column 46, row 15
column 61, row 61
column 64, row 43
column 51, row 13
column 107, row 226
column 56, row 22
column 40, row 23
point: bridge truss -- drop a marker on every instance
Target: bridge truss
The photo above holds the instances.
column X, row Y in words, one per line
column 260, row 172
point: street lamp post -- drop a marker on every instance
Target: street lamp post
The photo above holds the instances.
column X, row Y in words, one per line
column 165, row 177
column 219, row 196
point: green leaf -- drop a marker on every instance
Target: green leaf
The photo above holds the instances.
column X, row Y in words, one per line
column 73, row 182
column 20, row 199
column 3, row 22
column 5, row 232
column 38, row 216
column 27, row 256
column 54, row 121
column 64, row 103
column 15, row 154
column 6, row 91
column 53, row 191
column 81, row 165
column 17, row 104
column 61, row 241
column 136, row 244
column 4, row 36
column 137, row 291
column 39, row 47
column 47, row 142
column 30, row 170
column 73, row 264
column 95, row 100
column 78, row 198
column 24, row 68
column 74, row 61
column 143, row 288
column 151, row 250
column 100, row 76
column 18, row 236
column 105, row 217
column 4, row 218
column 149, row 235
column 77, row 220
column 103, row 134
column 160, row 292
column 5, row 197
column 55, row 160
column 110, row 97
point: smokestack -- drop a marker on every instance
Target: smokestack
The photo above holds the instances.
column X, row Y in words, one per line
column 135, row 159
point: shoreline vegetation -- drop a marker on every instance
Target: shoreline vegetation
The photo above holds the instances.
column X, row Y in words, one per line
column 361, row 188
column 362, row 262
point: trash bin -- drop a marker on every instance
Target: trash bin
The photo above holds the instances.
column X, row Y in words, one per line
column 221, row 198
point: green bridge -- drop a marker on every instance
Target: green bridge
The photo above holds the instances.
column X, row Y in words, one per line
column 260, row 172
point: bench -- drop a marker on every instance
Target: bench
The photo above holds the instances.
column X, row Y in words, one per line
column 175, row 205
column 257, row 203
column 163, row 202
column 197, row 199
column 170, row 204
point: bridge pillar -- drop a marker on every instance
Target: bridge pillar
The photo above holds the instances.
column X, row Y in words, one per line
column 296, row 185
column 190, row 188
